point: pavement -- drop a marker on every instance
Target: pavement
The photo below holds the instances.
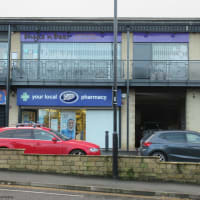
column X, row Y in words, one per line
column 98, row 184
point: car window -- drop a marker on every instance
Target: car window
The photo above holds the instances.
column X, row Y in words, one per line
column 193, row 138
column 42, row 135
column 7, row 134
column 60, row 135
column 174, row 137
column 23, row 133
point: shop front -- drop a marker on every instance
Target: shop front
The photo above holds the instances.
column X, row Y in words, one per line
column 2, row 107
column 83, row 114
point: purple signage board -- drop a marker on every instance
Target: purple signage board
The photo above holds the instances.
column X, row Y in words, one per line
column 68, row 37
column 161, row 37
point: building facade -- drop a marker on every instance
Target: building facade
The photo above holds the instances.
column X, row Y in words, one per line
column 62, row 69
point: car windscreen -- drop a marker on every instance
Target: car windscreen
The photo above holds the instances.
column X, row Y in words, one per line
column 60, row 135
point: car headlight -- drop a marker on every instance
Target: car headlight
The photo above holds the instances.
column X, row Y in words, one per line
column 94, row 149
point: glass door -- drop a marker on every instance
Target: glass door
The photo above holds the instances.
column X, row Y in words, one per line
column 29, row 116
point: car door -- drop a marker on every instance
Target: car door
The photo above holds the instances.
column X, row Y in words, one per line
column 193, row 146
column 43, row 143
column 175, row 145
column 23, row 139
column 6, row 138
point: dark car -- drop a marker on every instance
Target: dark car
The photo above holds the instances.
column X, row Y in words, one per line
column 148, row 129
column 173, row 145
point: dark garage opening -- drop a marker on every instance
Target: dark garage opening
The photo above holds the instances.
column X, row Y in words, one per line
column 159, row 111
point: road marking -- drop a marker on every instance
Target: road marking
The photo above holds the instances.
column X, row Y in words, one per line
column 35, row 192
column 96, row 193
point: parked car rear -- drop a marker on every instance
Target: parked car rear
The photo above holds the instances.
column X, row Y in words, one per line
column 173, row 145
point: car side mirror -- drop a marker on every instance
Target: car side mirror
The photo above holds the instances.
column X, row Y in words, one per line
column 54, row 139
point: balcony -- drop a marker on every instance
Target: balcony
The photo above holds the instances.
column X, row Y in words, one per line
column 100, row 72
column 161, row 70
column 65, row 70
column 170, row 72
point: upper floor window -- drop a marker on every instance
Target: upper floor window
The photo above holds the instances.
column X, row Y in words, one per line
column 160, row 51
column 160, row 56
column 3, row 50
column 64, row 45
column 30, row 51
column 87, row 51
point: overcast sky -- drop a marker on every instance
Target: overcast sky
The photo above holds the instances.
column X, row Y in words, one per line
column 100, row 8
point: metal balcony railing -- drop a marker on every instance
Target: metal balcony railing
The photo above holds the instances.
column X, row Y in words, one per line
column 162, row 70
column 3, row 69
column 101, row 70
column 64, row 70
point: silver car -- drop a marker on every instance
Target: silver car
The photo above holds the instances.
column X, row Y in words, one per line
column 173, row 145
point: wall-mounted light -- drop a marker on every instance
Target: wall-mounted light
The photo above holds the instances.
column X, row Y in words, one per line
column 193, row 95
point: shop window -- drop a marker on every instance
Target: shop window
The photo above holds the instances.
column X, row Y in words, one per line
column 30, row 51
column 28, row 116
column 74, row 51
column 68, row 122
column 68, row 60
column 3, row 50
column 3, row 57
column 160, row 61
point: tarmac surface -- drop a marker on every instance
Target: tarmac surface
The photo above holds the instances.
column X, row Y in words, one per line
column 98, row 184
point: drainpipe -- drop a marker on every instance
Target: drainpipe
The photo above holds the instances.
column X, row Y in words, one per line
column 127, row 91
column 8, row 78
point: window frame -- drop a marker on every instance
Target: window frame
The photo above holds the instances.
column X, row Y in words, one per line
column 40, row 43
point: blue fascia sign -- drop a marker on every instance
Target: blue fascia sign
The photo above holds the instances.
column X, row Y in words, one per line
column 66, row 97
column 2, row 97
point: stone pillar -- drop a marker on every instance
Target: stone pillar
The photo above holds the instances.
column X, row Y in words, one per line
column 193, row 109
column 131, row 122
column 131, row 97
column 194, row 49
column 13, row 116
column 13, row 110
column 15, row 44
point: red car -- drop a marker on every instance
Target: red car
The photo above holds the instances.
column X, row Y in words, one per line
column 41, row 140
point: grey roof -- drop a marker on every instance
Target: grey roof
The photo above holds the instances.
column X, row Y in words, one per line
column 101, row 24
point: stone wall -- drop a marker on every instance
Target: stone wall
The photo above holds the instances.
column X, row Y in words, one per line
column 132, row 168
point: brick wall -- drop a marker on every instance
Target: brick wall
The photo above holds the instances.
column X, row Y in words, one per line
column 132, row 168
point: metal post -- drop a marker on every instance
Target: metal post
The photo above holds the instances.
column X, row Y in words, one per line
column 128, row 40
column 115, row 136
column 106, row 140
column 8, row 79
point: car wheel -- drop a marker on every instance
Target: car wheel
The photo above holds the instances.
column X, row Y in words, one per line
column 161, row 155
column 77, row 152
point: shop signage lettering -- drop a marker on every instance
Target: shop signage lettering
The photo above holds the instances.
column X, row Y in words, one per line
column 34, row 97
column 43, row 36
column 65, row 97
column 68, row 37
column 93, row 97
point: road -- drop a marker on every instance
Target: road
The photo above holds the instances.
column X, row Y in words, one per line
column 36, row 193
